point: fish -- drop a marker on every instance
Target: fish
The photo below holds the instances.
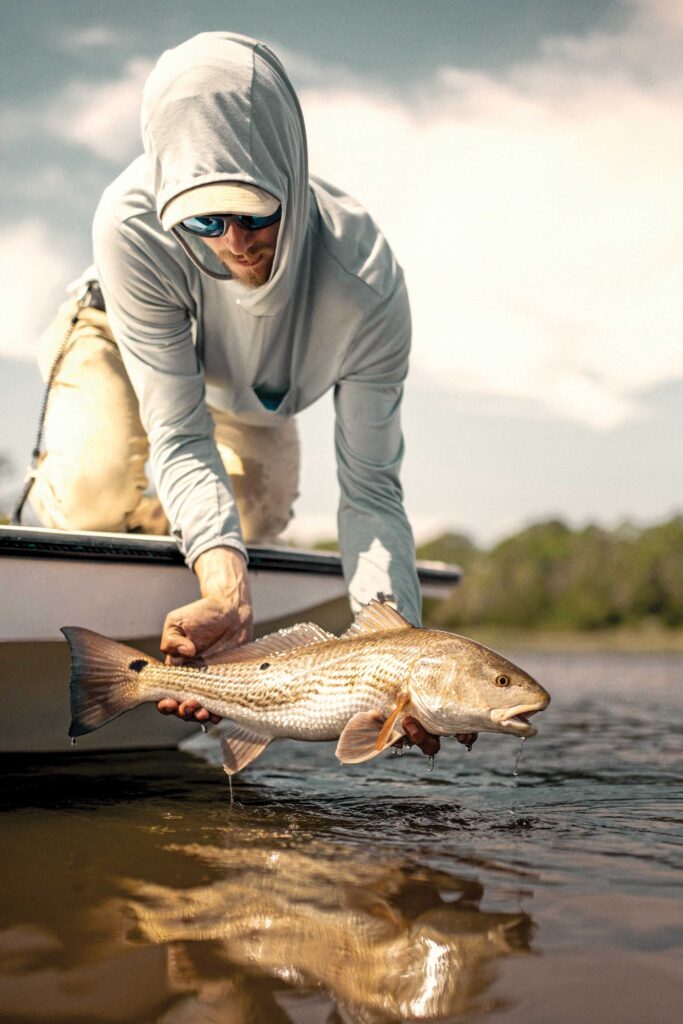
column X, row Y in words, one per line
column 304, row 683
column 387, row 940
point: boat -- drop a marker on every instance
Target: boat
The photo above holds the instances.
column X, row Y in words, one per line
column 123, row 585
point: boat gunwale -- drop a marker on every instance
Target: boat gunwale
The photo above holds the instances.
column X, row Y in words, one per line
column 37, row 542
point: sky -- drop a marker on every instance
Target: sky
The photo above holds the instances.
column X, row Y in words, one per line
column 525, row 162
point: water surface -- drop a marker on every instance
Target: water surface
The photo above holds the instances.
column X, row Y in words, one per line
column 135, row 892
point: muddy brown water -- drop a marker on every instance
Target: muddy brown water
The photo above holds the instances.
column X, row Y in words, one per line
column 134, row 891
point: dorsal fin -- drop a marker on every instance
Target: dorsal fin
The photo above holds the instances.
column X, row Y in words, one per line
column 376, row 617
column 303, row 635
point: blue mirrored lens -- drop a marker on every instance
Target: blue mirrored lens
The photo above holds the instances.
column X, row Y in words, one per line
column 208, row 227
column 217, row 225
column 256, row 223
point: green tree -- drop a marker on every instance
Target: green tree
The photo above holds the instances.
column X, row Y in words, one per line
column 550, row 577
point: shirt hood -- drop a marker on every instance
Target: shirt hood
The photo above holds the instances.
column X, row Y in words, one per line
column 221, row 108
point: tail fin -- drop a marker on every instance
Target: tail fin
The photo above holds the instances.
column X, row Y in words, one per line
column 105, row 679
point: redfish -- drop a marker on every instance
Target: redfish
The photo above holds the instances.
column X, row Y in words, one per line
column 304, row 683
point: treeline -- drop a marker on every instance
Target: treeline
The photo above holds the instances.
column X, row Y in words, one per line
column 549, row 576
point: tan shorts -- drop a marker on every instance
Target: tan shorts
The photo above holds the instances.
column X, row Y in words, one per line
column 91, row 475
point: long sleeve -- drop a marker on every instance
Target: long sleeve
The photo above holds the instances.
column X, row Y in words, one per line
column 376, row 541
column 153, row 330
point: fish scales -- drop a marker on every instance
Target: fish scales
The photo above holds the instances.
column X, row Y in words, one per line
column 306, row 684
column 304, row 694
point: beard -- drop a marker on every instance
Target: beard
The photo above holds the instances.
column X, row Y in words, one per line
column 252, row 276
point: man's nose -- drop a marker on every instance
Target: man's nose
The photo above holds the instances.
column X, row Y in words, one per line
column 238, row 239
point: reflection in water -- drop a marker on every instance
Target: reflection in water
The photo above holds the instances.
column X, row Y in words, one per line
column 386, row 942
column 137, row 895
column 268, row 912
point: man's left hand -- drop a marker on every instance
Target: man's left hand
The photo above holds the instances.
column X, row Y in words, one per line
column 428, row 743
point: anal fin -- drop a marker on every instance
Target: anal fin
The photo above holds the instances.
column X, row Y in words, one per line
column 240, row 746
column 358, row 741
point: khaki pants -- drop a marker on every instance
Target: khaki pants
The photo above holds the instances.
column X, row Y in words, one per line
column 91, row 475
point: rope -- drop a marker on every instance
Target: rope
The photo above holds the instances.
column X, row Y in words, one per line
column 30, row 477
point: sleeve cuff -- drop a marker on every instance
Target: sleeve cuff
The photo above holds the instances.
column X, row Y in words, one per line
column 220, row 542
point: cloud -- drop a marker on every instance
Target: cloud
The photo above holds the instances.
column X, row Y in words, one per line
column 534, row 214
column 647, row 44
column 534, row 210
column 103, row 118
column 33, row 274
column 91, row 37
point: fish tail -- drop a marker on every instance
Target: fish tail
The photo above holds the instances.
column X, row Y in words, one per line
column 105, row 679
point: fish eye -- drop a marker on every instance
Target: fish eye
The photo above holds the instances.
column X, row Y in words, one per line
column 502, row 680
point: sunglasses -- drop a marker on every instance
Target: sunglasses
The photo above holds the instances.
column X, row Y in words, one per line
column 216, row 225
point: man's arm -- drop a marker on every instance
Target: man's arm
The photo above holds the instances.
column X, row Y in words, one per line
column 154, row 334
column 153, row 331
column 376, row 541
column 375, row 537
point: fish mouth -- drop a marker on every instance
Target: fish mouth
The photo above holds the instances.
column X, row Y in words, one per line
column 516, row 719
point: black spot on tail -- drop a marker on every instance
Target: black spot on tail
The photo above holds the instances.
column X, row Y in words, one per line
column 266, row 664
column 138, row 664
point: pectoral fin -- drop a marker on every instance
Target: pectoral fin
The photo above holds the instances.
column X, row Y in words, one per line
column 369, row 903
column 388, row 726
column 240, row 747
column 359, row 740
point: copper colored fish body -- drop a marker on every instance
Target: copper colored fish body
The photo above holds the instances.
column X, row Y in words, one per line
column 306, row 684
column 386, row 941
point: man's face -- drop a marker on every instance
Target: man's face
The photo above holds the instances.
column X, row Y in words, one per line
column 248, row 255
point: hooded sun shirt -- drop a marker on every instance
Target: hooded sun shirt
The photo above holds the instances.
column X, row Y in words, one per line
column 334, row 313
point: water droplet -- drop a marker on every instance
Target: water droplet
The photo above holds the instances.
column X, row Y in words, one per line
column 232, row 799
column 204, row 728
column 73, row 741
column 430, row 763
column 515, row 770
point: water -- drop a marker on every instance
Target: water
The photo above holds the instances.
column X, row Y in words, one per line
column 134, row 891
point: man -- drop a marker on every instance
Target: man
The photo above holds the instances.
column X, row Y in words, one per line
column 237, row 291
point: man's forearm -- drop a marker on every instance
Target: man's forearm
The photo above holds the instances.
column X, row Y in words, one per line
column 221, row 572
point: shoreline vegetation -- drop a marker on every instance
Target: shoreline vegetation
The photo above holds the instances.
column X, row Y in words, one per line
column 622, row 639
column 551, row 587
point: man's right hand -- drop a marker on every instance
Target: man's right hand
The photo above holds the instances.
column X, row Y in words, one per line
column 220, row 620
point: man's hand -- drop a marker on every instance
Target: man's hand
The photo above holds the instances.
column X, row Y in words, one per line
column 220, row 620
column 426, row 741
